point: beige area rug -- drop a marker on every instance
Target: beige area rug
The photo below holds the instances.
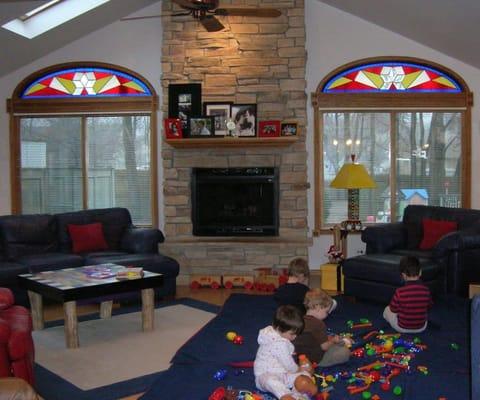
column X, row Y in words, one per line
column 114, row 350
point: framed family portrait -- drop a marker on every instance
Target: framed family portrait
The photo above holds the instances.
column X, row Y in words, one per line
column 203, row 126
column 245, row 118
column 184, row 101
column 221, row 113
column 173, row 128
column 289, row 128
column 269, row 128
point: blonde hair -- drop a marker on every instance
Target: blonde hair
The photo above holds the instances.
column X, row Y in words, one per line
column 298, row 266
column 317, row 297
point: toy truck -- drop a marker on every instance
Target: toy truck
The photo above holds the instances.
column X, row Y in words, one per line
column 244, row 281
column 198, row 281
column 268, row 279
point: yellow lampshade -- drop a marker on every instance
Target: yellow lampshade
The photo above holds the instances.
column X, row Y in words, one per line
column 353, row 176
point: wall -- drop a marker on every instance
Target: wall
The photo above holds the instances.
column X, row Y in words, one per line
column 253, row 61
column 335, row 38
column 131, row 44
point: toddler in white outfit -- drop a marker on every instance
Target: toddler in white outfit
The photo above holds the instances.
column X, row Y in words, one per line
column 275, row 369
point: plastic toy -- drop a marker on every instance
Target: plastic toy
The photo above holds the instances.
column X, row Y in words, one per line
column 397, row 390
column 218, row 394
column 220, row 375
column 231, row 335
column 305, row 385
column 238, row 339
column 363, row 323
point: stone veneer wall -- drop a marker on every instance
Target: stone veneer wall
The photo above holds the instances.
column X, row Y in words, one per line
column 255, row 60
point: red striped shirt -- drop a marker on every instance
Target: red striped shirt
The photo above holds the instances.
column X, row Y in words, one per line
column 411, row 303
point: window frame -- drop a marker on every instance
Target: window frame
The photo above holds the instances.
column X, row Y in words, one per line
column 83, row 108
column 397, row 102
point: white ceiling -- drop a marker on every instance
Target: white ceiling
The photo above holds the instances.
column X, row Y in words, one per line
column 449, row 26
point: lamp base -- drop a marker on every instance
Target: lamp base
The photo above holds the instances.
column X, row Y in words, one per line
column 353, row 204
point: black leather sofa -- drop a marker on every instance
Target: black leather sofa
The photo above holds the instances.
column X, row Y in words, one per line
column 475, row 347
column 447, row 268
column 41, row 242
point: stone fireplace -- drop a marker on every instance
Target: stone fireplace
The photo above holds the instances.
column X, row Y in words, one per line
column 255, row 60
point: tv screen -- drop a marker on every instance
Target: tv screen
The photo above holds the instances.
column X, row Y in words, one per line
column 237, row 201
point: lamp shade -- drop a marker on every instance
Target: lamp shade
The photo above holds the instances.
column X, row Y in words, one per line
column 353, row 176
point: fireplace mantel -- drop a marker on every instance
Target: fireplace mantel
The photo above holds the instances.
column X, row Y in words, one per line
column 282, row 141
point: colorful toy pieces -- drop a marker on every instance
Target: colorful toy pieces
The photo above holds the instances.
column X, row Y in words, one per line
column 234, row 338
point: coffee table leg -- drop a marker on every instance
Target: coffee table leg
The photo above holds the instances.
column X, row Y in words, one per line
column 106, row 309
column 36, row 304
column 148, row 312
column 71, row 324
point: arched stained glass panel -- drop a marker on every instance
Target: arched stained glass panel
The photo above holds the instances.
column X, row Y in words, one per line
column 85, row 82
column 392, row 77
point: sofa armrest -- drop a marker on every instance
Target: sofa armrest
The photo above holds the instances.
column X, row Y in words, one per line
column 382, row 238
column 467, row 239
column 141, row 240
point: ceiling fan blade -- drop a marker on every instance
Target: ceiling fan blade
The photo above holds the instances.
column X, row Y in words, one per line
column 211, row 24
column 249, row 12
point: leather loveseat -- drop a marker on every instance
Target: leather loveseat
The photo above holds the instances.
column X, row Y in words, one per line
column 16, row 343
column 41, row 242
column 475, row 347
column 447, row 267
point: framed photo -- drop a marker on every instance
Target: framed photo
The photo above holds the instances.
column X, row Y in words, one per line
column 221, row 112
column 173, row 128
column 184, row 101
column 269, row 128
column 203, row 126
column 245, row 118
column 289, row 129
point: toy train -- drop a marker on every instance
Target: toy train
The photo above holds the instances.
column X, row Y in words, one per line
column 263, row 279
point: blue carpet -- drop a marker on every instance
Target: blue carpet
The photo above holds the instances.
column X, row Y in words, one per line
column 53, row 387
column 191, row 374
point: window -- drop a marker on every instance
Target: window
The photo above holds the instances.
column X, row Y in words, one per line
column 84, row 139
column 407, row 122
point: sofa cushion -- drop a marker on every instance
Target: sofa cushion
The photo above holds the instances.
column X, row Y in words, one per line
column 114, row 221
column 9, row 272
column 28, row 234
column 433, row 230
column 384, row 268
column 88, row 237
column 51, row 261
column 414, row 234
column 151, row 262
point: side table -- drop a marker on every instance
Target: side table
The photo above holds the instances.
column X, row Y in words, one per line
column 332, row 277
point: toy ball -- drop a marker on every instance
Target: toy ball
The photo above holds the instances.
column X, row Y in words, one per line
column 454, row 346
column 396, row 371
column 371, row 352
column 360, row 352
column 385, row 386
column 397, row 390
column 388, row 345
column 375, row 375
column 238, row 339
column 230, row 336
column 220, row 375
column 366, row 395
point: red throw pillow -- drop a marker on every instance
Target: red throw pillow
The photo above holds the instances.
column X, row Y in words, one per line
column 433, row 230
column 88, row 237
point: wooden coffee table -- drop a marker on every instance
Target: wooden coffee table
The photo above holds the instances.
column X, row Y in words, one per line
column 72, row 284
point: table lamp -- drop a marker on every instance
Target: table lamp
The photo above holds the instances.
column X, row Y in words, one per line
column 353, row 177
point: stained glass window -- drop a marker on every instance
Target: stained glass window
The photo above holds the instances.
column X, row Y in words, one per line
column 391, row 77
column 85, row 82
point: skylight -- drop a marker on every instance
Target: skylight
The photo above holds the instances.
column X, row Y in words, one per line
column 49, row 16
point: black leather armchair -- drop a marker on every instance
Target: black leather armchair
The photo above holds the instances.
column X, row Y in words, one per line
column 448, row 267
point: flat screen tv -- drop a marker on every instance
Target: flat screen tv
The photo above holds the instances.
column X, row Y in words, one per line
column 235, row 201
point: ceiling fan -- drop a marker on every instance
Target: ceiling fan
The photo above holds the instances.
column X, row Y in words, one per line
column 205, row 11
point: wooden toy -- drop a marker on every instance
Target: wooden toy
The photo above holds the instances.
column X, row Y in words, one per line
column 268, row 279
column 213, row 281
column 245, row 281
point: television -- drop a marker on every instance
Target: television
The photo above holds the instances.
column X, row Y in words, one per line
column 235, row 201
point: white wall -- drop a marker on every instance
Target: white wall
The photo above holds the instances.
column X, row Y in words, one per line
column 135, row 45
column 335, row 38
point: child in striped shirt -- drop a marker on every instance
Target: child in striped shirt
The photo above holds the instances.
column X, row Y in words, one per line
column 408, row 309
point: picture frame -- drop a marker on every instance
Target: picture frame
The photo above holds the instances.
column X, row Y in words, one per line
column 269, row 128
column 201, row 127
column 289, row 128
column 184, row 101
column 245, row 118
column 222, row 112
column 173, row 128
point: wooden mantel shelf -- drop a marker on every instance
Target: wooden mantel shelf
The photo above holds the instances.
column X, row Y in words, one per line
column 281, row 141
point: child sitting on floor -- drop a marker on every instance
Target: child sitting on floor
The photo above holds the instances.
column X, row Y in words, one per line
column 275, row 369
column 314, row 341
column 408, row 309
column 293, row 292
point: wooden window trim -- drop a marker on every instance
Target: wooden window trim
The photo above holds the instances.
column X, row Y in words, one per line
column 393, row 103
column 82, row 107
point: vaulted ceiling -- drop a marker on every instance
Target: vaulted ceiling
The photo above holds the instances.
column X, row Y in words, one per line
column 448, row 26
